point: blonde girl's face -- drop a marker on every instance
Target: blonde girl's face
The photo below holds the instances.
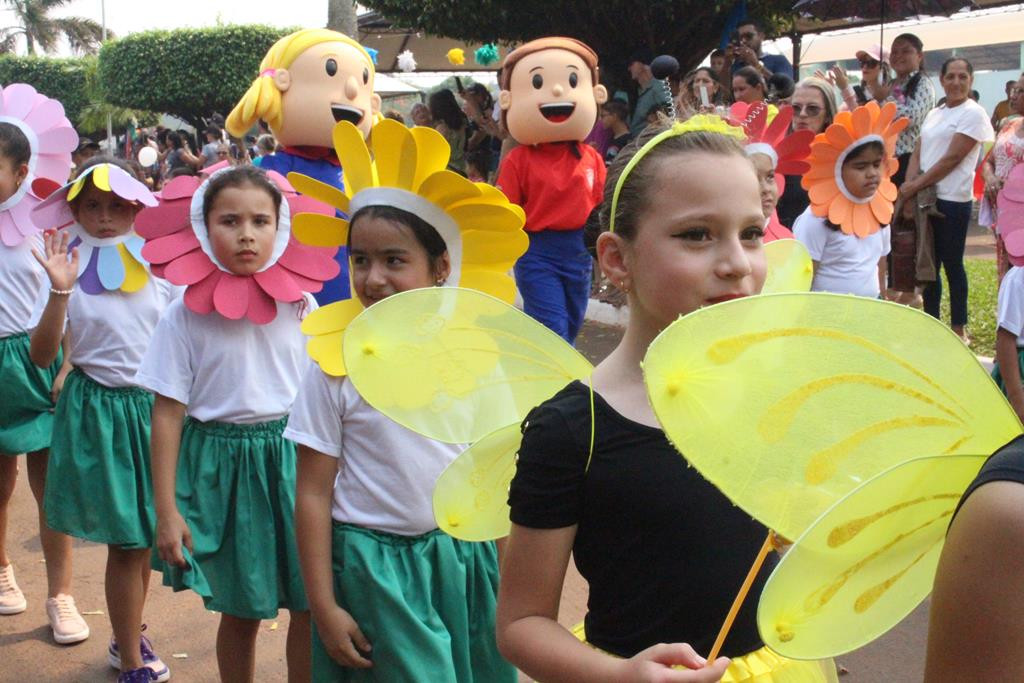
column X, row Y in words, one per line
column 242, row 225
column 699, row 240
column 766, row 181
column 386, row 258
column 12, row 175
column 103, row 214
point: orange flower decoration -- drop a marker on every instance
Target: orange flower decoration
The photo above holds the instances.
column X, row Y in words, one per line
column 824, row 182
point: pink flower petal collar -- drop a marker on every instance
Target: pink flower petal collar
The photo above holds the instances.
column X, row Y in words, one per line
column 177, row 248
column 51, row 140
column 202, row 233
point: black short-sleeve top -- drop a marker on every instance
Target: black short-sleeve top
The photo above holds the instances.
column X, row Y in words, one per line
column 664, row 551
column 1006, row 464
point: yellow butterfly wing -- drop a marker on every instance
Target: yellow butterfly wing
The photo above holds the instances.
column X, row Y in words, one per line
column 867, row 562
column 788, row 402
column 455, row 364
column 790, row 268
column 471, row 495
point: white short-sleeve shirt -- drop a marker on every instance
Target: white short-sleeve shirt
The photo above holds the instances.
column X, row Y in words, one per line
column 386, row 473
column 846, row 264
column 937, row 133
column 1011, row 303
column 227, row 370
column 21, row 278
column 109, row 332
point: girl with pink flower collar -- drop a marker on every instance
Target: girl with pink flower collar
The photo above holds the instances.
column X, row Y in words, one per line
column 226, row 361
column 36, row 140
column 104, row 305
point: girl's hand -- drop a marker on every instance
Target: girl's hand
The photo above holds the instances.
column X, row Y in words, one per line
column 62, row 271
column 342, row 638
column 58, row 382
column 171, row 533
column 654, row 665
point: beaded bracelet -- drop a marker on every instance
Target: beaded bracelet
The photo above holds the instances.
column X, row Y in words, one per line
column 61, row 292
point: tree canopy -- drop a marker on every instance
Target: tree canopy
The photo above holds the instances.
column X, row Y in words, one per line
column 687, row 29
column 190, row 73
column 34, row 25
column 61, row 79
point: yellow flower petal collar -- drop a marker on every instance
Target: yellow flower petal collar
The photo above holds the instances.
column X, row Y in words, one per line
column 407, row 169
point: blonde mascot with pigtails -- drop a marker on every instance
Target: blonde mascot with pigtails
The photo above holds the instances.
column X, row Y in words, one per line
column 308, row 81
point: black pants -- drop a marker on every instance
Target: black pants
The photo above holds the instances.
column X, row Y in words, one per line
column 950, row 239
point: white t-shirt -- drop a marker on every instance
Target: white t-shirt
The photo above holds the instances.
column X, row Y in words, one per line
column 1011, row 303
column 386, row 473
column 227, row 370
column 21, row 278
column 110, row 331
column 846, row 264
column 937, row 134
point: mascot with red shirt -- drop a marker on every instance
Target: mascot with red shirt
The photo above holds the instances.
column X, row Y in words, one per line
column 549, row 99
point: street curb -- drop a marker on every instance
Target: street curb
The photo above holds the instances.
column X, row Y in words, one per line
column 606, row 314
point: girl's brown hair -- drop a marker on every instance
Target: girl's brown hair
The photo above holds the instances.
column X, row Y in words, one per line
column 633, row 194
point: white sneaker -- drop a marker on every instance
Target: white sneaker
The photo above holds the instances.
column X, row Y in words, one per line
column 67, row 624
column 12, row 600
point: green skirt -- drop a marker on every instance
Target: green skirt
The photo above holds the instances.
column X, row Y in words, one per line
column 98, row 483
column 426, row 604
column 998, row 377
column 26, row 411
column 236, row 490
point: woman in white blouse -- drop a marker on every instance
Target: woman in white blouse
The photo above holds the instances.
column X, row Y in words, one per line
column 945, row 156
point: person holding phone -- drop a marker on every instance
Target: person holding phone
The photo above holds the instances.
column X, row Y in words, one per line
column 701, row 92
column 745, row 50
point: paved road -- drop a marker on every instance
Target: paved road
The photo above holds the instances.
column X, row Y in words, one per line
column 184, row 633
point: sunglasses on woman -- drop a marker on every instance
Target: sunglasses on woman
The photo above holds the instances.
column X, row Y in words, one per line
column 869, row 64
column 808, row 110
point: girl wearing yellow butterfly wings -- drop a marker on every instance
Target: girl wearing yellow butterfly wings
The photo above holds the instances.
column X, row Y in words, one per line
column 392, row 597
column 662, row 549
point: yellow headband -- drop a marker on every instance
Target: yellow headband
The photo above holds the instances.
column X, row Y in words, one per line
column 700, row 123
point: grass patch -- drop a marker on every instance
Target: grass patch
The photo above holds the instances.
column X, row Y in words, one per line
column 982, row 293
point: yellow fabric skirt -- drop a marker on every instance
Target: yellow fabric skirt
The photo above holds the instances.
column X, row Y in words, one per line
column 764, row 666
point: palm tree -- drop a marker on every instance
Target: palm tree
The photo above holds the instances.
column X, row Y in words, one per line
column 37, row 28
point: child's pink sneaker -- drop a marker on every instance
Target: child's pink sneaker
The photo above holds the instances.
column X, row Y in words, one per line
column 12, row 600
column 67, row 624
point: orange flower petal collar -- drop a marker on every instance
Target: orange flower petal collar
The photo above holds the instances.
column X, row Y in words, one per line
column 824, row 181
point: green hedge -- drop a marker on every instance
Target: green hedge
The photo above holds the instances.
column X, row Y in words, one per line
column 190, row 73
column 61, row 79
